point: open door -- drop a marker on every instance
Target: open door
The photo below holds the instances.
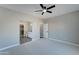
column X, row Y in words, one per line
column 45, row 30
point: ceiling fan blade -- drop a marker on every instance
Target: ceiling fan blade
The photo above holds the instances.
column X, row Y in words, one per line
column 49, row 11
column 51, row 7
column 38, row 11
column 42, row 13
column 42, row 6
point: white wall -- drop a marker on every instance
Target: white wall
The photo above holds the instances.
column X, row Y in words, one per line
column 36, row 30
column 65, row 27
column 9, row 26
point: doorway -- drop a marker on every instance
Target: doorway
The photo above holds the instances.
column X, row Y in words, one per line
column 45, row 30
column 41, row 30
column 25, row 29
column 21, row 30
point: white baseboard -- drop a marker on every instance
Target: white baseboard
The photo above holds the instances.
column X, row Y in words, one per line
column 8, row 47
column 66, row 42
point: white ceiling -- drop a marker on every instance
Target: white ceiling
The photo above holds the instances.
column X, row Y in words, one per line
column 60, row 9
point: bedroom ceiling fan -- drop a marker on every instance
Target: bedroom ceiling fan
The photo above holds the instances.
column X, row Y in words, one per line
column 45, row 9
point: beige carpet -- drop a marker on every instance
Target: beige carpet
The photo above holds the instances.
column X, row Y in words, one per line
column 44, row 47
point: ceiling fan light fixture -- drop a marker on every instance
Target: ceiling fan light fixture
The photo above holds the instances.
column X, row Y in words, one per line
column 44, row 10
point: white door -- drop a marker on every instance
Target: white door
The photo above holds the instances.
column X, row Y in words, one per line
column 45, row 30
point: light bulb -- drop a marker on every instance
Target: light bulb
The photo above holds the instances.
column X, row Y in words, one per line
column 44, row 10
